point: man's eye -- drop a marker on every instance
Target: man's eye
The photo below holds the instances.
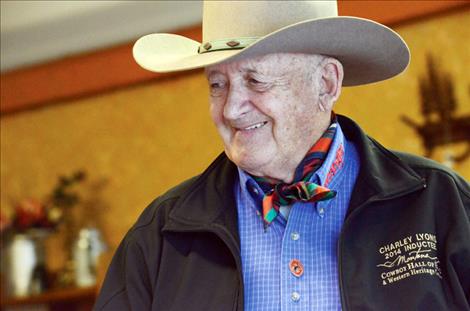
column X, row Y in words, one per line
column 216, row 85
column 254, row 81
column 216, row 88
column 257, row 85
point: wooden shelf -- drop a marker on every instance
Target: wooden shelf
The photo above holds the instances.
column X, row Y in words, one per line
column 57, row 299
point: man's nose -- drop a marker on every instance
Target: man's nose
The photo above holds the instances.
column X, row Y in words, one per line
column 238, row 102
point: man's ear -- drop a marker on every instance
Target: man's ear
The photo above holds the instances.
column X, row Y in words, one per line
column 331, row 81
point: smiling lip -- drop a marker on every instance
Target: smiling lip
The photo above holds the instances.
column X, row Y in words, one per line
column 253, row 127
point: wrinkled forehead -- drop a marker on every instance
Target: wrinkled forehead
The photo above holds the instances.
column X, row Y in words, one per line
column 274, row 63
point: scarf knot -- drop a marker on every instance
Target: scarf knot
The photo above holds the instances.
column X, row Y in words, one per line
column 302, row 189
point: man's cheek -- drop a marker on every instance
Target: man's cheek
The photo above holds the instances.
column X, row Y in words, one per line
column 216, row 115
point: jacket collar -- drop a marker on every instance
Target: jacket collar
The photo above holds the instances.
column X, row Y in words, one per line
column 209, row 203
column 382, row 174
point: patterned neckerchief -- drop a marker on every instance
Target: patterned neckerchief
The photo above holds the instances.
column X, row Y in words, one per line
column 301, row 189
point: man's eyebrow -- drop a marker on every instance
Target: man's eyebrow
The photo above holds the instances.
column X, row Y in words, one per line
column 253, row 71
column 276, row 78
column 251, row 68
column 211, row 72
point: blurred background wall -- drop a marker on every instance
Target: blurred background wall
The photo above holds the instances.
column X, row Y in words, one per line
column 136, row 134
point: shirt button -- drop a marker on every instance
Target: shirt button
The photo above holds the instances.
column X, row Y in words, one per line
column 295, row 296
column 296, row 268
column 295, row 236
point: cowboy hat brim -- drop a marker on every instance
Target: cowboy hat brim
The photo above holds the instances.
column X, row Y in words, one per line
column 369, row 51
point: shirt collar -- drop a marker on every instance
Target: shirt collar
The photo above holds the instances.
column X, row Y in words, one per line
column 333, row 161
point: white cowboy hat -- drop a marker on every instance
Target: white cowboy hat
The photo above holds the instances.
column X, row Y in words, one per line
column 233, row 30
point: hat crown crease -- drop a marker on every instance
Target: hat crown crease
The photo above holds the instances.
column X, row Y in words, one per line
column 234, row 19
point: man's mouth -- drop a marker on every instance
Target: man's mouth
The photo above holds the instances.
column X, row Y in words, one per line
column 255, row 126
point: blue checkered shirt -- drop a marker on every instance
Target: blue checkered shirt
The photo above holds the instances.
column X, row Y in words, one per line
column 307, row 232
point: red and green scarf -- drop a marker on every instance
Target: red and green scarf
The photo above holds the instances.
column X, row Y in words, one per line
column 301, row 189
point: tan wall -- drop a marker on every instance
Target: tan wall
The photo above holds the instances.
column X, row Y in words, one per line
column 144, row 139
column 378, row 107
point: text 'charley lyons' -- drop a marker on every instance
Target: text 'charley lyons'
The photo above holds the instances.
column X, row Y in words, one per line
column 413, row 255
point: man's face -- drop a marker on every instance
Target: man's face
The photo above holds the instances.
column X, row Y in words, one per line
column 266, row 110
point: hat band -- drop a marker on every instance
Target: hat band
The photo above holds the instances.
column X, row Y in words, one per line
column 226, row 44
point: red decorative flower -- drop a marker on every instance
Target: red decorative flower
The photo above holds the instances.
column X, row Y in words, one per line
column 29, row 213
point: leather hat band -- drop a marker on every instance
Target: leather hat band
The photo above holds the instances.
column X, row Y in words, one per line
column 226, row 44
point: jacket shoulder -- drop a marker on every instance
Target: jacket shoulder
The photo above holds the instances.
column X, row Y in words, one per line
column 138, row 256
column 430, row 169
column 163, row 203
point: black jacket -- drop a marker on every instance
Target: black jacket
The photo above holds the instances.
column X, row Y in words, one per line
column 404, row 245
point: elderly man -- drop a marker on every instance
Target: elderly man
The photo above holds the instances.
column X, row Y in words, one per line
column 302, row 211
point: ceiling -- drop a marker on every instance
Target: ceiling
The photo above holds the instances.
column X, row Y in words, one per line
column 34, row 32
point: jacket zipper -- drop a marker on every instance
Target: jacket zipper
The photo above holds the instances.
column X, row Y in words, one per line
column 236, row 255
column 372, row 199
